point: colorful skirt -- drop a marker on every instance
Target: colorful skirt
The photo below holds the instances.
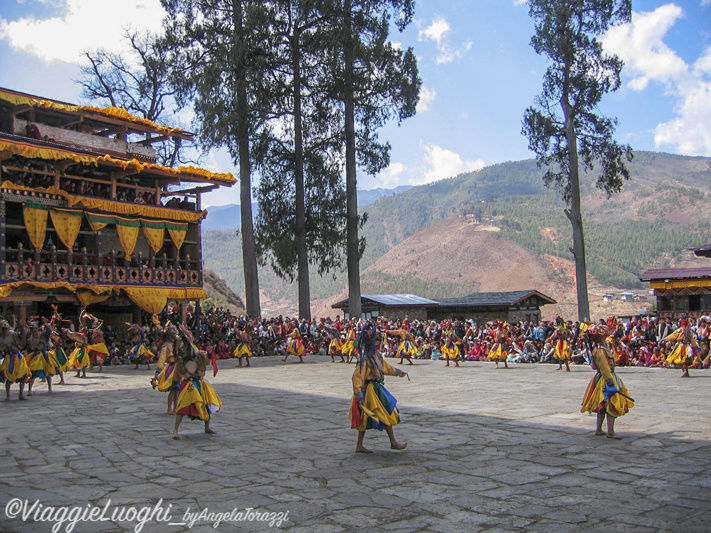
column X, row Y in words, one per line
column 295, row 347
column 562, row 352
column 682, row 354
column 242, row 350
column 61, row 357
column 13, row 367
column 42, row 364
column 166, row 378
column 197, row 399
column 450, row 351
column 497, row 353
column 98, row 353
column 378, row 410
column 140, row 353
column 407, row 349
column 594, row 398
column 334, row 348
column 79, row 358
column 348, row 348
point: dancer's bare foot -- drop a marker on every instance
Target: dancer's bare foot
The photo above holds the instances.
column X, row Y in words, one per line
column 20, row 398
column 175, row 435
column 360, row 449
column 599, row 433
column 613, row 436
column 397, row 446
column 170, row 412
column 210, row 431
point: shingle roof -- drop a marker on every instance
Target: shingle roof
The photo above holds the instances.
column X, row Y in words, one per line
column 675, row 273
column 495, row 298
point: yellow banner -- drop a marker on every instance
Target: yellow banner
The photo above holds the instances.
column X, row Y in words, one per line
column 36, row 225
column 67, row 226
column 154, row 237
column 177, row 236
column 128, row 235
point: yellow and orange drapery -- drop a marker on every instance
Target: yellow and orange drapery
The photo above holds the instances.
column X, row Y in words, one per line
column 151, row 299
column 66, row 222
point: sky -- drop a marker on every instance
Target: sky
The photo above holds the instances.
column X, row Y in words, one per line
column 478, row 69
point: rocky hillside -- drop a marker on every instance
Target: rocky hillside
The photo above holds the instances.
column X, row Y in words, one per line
column 220, row 294
column 501, row 229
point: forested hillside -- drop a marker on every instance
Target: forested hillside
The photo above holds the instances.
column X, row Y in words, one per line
column 663, row 210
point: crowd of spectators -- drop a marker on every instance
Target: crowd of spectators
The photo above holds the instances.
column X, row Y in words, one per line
column 639, row 342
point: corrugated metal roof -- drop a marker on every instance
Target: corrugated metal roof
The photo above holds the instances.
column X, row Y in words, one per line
column 399, row 299
column 494, row 298
column 675, row 273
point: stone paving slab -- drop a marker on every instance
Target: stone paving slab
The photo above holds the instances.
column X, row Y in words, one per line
column 488, row 450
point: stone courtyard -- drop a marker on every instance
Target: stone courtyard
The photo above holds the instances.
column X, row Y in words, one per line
column 488, row 450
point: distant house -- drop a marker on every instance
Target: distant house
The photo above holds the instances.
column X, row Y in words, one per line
column 512, row 306
column 627, row 296
column 608, row 297
column 482, row 307
column 392, row 306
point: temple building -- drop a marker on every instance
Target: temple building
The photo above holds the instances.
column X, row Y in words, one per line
column 682, row 291
column 88, row 217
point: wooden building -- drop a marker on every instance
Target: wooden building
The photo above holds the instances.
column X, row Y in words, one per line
column 87, row 215
column 482, row 307
column 392, row 306
column 681, row 291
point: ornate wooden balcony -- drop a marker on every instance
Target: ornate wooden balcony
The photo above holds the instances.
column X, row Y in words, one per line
column 85, row 267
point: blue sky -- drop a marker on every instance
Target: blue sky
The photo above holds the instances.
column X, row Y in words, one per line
column 479, row 74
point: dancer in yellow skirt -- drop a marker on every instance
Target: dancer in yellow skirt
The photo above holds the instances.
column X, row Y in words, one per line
column 606, row 395
column 295, row 346
column 41, row 360
column 499, row 351
column 13, row 368
column 450, row 347
column 139, row 352
column 561, row 340
column 407, row 348
column 197, row 399
column 348, row 349
column 335, row 346
column 683, row 353
column 372, row 406
column 80, row 359
column 244, row 343
column 166, row 378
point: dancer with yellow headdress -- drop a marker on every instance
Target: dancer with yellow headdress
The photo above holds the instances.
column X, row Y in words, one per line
column 606, row 394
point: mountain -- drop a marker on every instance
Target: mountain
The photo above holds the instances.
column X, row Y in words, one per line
column 227, row 217
column 501, row 229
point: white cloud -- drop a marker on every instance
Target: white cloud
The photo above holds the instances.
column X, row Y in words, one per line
column 84, row 25
column 427, row 96
column 437, row 31
column 390, row 177
column 522, row 2
column 649, row 60
column 441, row 163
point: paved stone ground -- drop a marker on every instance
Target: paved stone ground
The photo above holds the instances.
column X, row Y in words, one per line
column 489, row 450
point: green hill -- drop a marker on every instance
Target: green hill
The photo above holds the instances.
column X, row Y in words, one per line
column 663, row 210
